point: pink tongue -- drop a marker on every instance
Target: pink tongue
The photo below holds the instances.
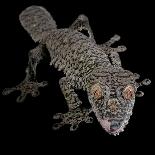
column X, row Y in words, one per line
column 105, row 124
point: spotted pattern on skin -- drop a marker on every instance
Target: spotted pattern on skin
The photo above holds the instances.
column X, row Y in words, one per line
column 88, row 66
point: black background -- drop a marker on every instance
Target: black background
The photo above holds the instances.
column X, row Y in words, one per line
column 29, row 124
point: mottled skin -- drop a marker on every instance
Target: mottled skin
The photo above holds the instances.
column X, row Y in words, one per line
column 87, row 66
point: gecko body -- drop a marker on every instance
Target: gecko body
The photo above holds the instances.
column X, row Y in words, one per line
column 88, row 66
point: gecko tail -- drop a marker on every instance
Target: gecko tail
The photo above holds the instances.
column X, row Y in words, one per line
column 37, row 21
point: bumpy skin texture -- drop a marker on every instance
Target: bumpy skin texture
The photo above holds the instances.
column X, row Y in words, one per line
column 88, row 66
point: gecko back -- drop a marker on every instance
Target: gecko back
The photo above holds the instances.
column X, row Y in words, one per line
column 37, row 21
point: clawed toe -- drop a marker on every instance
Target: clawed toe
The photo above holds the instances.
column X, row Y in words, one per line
column 58, row 116
column 89, row 120
column 21, row 98
column 74, row 127
column 7, row 91
column 116, row 37
column 57, row 126
column 43, row 84
column 35, row 93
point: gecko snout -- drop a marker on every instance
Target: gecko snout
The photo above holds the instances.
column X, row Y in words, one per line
column 115, row 126
column 112, row 126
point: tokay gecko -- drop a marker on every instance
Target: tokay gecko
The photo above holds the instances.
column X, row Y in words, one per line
column 88, row 66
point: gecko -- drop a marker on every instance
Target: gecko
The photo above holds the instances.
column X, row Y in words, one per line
column 88, row 66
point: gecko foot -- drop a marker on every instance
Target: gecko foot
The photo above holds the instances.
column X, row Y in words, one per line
column 73, row 118
column 26, row 87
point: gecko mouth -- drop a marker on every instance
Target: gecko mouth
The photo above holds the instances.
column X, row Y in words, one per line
column 112, row 127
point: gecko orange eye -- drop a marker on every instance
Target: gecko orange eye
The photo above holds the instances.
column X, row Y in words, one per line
column 96, row 91
column 128, row 92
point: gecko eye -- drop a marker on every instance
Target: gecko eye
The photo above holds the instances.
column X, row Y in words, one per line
column 128, row 92
column 96, row 91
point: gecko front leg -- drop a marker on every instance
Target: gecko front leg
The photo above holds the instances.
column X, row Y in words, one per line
column 29, row 85
column 75, row 115
column 113, row 52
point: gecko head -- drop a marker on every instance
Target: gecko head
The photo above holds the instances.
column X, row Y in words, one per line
column 112, row 99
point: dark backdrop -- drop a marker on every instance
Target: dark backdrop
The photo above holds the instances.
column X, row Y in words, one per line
column 29, row 123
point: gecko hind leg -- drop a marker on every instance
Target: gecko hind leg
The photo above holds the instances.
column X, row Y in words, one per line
column 75, row 115
column 81, row 24
column 29, row 85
